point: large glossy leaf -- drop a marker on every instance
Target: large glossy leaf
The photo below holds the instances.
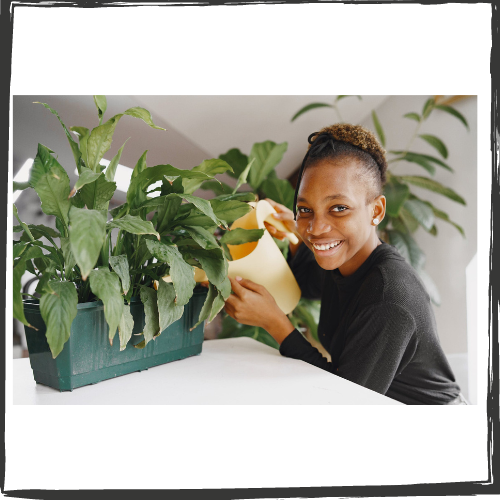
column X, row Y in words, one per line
column 378, row 128
column 58, row 309
column 42, row 164
column 38, row 231
column 212, row 303
column 69, row 258
column 168, row 310
column 408, row 248
column 453, row 112
column 239, row 236
column 279, row 190
column 203, row 237
column 21, row 186
column 111, row 169
column 53, row 190
column 86, row 237
column 152, row 327
column 74, row 146
column 267, row 155
column 229, row 211
column 134, row 224
column 242, row 196
column 100, row 140
column 243, row 178
column 213, row 263
column 444, row 216
column 106, row 285
column 237, row 160
column 210, row 168
column 125, row 327
column 101, row 105
column 142, row 114
column 311, row 106
column 396, row 194
column 421, row 212
column 167, row 212
column 181, row 272
column 119, row 211
column 202, row 205
column 428, row 106
column 436, row 143
column 97, row 195
column 120, row 266
column 219, row 188
column 432, row 185
column 405, row 222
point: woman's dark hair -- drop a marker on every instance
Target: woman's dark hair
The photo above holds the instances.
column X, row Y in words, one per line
column 344, row 141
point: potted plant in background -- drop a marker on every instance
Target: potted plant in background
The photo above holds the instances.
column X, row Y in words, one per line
column 105, row 274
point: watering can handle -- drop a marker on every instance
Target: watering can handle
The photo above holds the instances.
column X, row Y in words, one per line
column 292, row 238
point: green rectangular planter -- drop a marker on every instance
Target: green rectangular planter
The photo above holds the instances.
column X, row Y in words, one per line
column 88, row 358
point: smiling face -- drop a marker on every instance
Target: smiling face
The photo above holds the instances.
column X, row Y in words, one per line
column 335, row 212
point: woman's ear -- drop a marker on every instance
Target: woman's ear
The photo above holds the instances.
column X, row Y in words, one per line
column 379, row 208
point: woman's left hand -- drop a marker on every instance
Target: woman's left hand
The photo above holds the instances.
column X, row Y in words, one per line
column 251, row 304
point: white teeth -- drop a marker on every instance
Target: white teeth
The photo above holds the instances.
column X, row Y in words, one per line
column 328, row 246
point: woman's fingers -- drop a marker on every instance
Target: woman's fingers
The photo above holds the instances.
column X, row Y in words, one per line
column 280, row 235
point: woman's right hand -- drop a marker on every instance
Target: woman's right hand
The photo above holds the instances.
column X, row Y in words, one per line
column 285, row 215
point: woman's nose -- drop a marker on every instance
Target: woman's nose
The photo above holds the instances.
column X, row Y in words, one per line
column 318, row 226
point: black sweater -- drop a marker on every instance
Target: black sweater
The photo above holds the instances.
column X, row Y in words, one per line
column 378, row 326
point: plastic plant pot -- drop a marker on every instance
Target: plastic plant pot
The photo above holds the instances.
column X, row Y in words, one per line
column 88, row 357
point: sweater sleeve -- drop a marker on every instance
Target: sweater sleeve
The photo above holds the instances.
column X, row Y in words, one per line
column 309, row 275
column 379, row 343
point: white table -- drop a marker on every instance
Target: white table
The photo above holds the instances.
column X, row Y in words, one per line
column 229, row 371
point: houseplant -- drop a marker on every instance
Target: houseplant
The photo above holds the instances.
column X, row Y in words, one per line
column 116, row 274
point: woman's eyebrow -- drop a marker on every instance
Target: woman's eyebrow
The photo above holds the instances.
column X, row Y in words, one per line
column 327, row 198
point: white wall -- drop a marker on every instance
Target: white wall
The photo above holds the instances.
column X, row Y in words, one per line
column 448, row 253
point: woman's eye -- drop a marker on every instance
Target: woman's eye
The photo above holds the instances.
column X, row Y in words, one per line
column 303, row 210
column 339, row 208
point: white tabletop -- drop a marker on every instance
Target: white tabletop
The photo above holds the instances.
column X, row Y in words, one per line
column 228, row 371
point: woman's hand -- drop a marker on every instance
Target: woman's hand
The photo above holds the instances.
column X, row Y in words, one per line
column 285, row 215
column 251, row 304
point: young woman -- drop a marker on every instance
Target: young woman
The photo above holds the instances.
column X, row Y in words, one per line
column 376, row 319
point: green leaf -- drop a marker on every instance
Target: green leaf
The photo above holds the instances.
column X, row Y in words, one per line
column 444, row 216
column 242, row 196
column 397, row 240
column 433, row 185
column 20, row 186
column 279, row 190
column 101, row 105
column 229, row 211
column 412, row 116
column 408, row 248
column 405, row 222
column 213, row 263
column 339, row 97
column 111, row 169
column 139, row 183
column 421, row 212
column 134, row 225
column 86, row 177
column 19, row 248
column 396, row 194
column 120, row 266
column 181, row 273
column 83, row 136
column 202, row 205
column 435, row 142
column 453, row 112
column 409, row 156
column 312, row 106
column 219, row 188
column 152, row 327
column 97, row 195
column 69, row 258
column 119, row 211
column 267, row 155
column 378, row 128
column 106, row 285
column 239, row 236
column 38, row 231
column 208, row 167
column 53, row 190
column 237, row 160
column 86, row 237
column 207, row 305
column 144, row 115
column 429, row 104
column 43, row 163
column 167, row 212
column 168, row 310
column 99, row 141
column 203, row 237
column 242, row 179
column 58, row 310
column 74, row 146
column 125, row 327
